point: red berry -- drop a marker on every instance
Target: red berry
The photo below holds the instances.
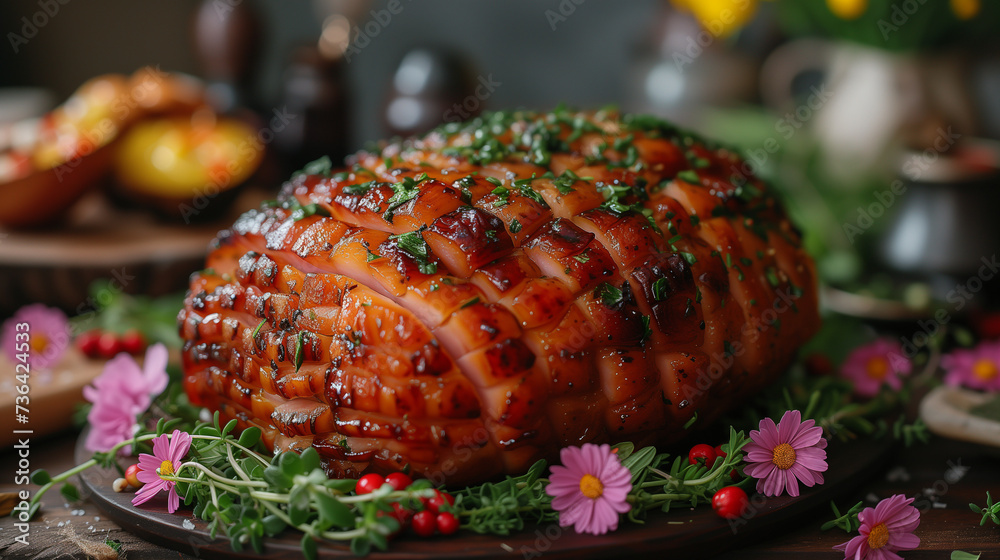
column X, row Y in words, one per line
column 703, row 453
column 401, row 513
column 87, row 343
column 133, row 342
column 439, row 499
column 730, row 502
column 131, row 476
column 108, row 345
column 818, row 364
column 447, row 523
column 399, row 481
column 369, row 483
column 424, row 523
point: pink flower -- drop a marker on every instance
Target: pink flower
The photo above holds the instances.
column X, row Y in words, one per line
column 165, row 461
column 976, row 368
column 782, row 456
column 875, row 364
column 884, row 530
column 120, row 394
column 37, row 332
column 590, row 489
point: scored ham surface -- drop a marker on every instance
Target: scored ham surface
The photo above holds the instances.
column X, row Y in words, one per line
column 472, row 301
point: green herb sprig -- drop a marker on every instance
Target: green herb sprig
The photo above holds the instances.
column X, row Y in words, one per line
column 990, row 512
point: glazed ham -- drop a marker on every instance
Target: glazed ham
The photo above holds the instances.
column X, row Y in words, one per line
column 469, row 302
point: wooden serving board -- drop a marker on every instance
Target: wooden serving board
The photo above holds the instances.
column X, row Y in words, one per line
column 697, row 532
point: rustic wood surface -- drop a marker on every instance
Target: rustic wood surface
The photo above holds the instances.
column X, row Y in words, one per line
column 944, row 476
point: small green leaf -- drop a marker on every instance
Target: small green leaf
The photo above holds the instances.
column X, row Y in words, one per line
column 291, row 464
column 360, row 546
column 624, row 449
column 962, row 555
column 273, row 525
column 309, row 549
column 274, row 476
column 70, row 492
column 333, row 510
column 343, row 485
column 250, row 437
column 309, row 460
column 298, row 504
column 41, row 477
column 639, row 460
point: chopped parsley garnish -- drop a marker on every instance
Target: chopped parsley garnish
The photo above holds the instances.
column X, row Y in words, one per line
column 413, row 243
column 403, row 192
column 690, row 176
column 609, row 295
column 661, row 288
column 300, row 212
column 256, row 331
column 503, row 196
column 772, row 276
column 564, row 183
column 472, row 301
column 321, row 166
column 647, row 332
column 299, row 355
column 515, row 226
column 359, row 188
column 524, row 186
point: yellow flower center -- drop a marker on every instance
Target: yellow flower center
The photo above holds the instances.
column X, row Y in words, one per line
column 39, row 343
column 166, row 469
column 877, row 368
column 784, row 456
column 965, row 9
column 985, row 370
column 879, row 536
column 847, row 9
column 591, row 487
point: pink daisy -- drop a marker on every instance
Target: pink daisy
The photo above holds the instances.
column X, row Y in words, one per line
column 43, row 335
column 165, row 460
column 976, row 368
column 782, row 456
column 885, row 530
column 120, row 394
column 875, row 364
column 590, row 489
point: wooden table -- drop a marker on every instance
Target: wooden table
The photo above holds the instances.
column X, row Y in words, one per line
column 944, row 475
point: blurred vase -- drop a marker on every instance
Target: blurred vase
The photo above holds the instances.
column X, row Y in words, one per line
column 870, row 102
column 945, row 229
column 682, row 70
column 432, row 85
column 316, row 97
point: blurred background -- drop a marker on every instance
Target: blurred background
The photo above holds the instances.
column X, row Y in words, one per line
column 131, row 132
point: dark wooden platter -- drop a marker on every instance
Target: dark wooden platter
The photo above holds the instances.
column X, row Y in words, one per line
column 699, row 532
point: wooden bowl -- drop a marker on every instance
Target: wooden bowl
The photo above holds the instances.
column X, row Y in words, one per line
column 43, row 196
